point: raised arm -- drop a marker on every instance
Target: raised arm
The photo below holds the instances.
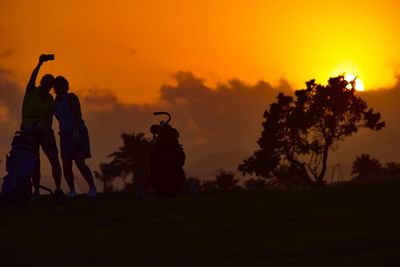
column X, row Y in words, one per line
column 35, row 72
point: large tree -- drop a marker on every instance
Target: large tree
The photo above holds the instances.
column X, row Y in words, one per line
column 300, row 130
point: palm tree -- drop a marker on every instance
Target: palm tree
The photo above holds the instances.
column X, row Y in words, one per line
column 365, row 167
column 209, row 186
column 133, row 158
column 107, row 173
column 226, row 180
column 392, row 169
column 255, row 183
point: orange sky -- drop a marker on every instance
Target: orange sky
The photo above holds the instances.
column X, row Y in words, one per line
column 133, row 47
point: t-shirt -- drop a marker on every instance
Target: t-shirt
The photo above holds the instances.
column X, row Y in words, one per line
column 36, row 107
column 68, row 112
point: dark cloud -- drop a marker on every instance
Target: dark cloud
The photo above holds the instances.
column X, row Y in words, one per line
column 219, row 125
column 10, row 95
column 384, row 144
column 6, row 53
column 10, row 101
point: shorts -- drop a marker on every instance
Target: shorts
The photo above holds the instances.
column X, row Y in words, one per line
column 70, row 145
column 40, row 139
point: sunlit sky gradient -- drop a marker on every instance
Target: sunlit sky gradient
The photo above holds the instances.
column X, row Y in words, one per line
column 133, row 47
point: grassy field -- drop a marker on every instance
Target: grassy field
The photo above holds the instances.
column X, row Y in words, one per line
column 352, row 225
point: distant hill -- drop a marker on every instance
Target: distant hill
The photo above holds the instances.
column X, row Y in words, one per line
column 207, row 167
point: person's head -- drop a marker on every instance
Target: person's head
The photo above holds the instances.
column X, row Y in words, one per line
column 61, row 85
column 47, row 82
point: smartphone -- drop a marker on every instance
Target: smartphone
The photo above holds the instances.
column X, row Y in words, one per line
column 49, row 57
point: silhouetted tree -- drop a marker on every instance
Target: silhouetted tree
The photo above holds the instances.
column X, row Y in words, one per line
column 392, row 170
column 255, row 183
column 225, row 180
column 193, row 185
column 365, row 167
column 106, row 174
column 133, row 158
column 298, row 132
column 209, row 186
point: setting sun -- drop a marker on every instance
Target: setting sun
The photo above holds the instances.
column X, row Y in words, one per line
column 359, row 86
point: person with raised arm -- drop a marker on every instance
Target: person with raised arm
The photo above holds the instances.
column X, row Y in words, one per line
column 37, row 117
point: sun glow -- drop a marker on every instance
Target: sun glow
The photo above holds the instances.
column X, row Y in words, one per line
column 359, row 86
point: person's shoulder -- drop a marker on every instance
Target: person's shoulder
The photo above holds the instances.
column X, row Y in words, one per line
column 72, row 96
column 31, row 86
column 32, row 89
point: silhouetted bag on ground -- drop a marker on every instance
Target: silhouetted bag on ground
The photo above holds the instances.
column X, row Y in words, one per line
column 167, row 160
column 20, row 164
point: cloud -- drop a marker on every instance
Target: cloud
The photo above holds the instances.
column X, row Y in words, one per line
column 10, row 95
column 10, row 103
column 6, row 53
column 219, row 125
column 383, row 145
column 222, row 120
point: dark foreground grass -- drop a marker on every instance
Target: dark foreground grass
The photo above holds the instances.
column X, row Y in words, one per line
column 352, row 225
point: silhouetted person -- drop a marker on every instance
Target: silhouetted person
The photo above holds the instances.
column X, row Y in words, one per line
column 74, row 137
column 37, row 117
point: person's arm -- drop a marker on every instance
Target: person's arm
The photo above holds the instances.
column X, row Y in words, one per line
column 47, row 121
column 35, row 72
column 76, row 109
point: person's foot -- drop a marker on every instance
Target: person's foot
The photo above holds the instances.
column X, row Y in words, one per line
column 59, row 195
column 71, row 193
column 92, row 192
column 35, row 195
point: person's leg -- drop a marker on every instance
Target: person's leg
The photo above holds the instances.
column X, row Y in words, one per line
column 36, row 175
column 36, row 180
column 68, row 174
column 49, row 147
column 84, row 169
column 55, row 167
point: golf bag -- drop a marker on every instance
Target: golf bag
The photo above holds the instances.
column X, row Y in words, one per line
column 167, row 159
column 20, row 165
